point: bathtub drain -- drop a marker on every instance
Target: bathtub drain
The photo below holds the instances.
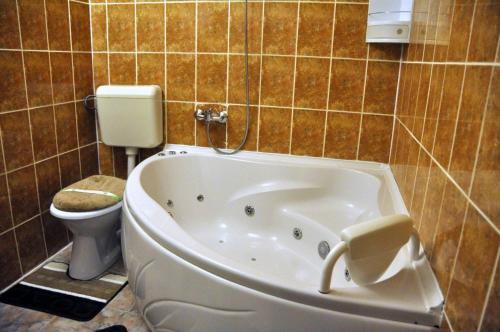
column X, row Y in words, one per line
column 297, row 233
column 347, row 275
column 249, row 210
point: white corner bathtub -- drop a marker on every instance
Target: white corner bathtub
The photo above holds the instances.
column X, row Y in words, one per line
column 198, row 259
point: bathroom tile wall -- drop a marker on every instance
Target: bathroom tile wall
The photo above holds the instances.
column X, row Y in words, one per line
column 47, row 139
column 446, row 151
column 316, row 88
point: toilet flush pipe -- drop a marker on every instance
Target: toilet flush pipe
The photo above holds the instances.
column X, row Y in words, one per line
column 131, row 155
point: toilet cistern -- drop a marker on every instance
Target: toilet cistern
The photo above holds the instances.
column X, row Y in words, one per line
column 130, row 116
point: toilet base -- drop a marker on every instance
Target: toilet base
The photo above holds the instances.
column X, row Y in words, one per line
column 87, row 262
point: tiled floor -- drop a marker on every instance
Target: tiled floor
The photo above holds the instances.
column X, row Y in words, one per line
column 121, row 310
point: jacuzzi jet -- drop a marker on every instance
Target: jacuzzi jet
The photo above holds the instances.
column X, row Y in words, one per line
column 170, row 203
column 254, row 259
column 297, row 233
column 161, row 154
column 200, row 198
column 249, row 210
column 323, row 249
column 347, row 275
column 221, row 241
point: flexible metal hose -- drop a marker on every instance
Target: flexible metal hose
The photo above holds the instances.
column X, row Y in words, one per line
column 247, row 94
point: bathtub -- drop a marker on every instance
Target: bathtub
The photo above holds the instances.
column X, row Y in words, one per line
column 230, row 243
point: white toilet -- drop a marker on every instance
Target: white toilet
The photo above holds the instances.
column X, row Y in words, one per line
column 130, row 117
column 96, row 239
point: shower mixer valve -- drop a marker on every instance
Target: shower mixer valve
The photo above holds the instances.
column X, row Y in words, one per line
column 210, row 115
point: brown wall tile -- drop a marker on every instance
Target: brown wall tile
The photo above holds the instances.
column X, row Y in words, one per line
column 180, row 77
column 83, row 75
column 342, row 131
column 347, row 83
column 9, row 263
column 43, row 132
column 311, row 83
column 211, row 83
column 308, row 132
column 122, row 68
column 120, row 162
column 448, row 113
column 31, row 244
column 80, row 26
column 62, row 77
column 237, row 27
column 315, row 29
column 58, row 24
column 12, row 90
column 100, row 69
column 381, row 86
column 86, row 125
column 350, row 30
column 277, row 81
column 181, row 27
column 280, row 25
column 460, row 30
column 106, row 160
column 491, row 319
column 66, row 127
column 38, row 78
column 99, row 39
column 121, row 29
column 23, row 194
column 151, row 69
column 236, row 127
column 237, row 81
column 180, row 123
column 48, row 179
column 212, row 27
column 16, row 139
column 70, row 168
column 5, row 213
column 9, row 27
column 32, row 20
column 375, row 138
column 55, row 233
column 89, row 162
column 485, row 31
column 274, row 133
column 150, row 27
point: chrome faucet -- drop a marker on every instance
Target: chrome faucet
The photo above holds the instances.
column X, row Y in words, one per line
column 209, row 115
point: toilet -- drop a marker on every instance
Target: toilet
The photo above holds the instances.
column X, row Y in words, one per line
column 129, row 116
column 96, row 239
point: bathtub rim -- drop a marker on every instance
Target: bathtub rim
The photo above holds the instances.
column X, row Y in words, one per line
column 225, row 269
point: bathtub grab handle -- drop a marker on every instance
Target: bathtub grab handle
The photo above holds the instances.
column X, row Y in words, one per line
column 330, row 260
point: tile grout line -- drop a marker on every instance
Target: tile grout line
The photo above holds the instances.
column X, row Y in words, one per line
column 488, row 292
column 396, row 102
column 259, row 106
column 196, row 70
column 165, row 74
column 74, row 87
column 226, row 142
column 362, row 102
column 94, row 91
column 297, row 22
column 329, row 79
column 109, row 74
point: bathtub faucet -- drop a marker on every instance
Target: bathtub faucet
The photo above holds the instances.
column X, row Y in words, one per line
column 210, row 115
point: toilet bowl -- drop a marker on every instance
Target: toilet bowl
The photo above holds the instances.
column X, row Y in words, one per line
column 96, row 239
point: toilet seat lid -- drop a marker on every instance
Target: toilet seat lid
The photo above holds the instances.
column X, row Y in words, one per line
column 83, row 215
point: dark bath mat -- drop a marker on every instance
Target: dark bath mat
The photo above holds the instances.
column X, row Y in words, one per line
column 113, row 328
column 50, row 290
